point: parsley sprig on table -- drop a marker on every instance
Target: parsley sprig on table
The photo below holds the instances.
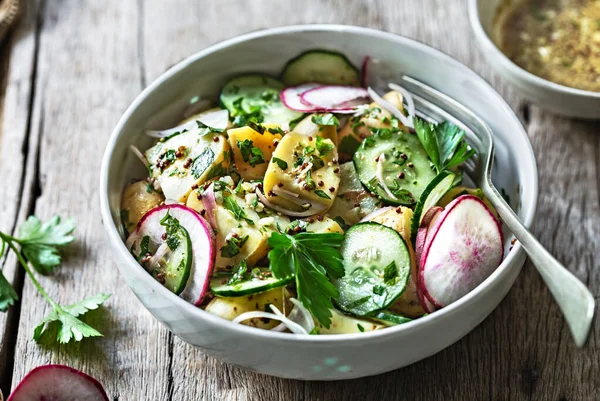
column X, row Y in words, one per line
column 37, row 245
column 310, row 257
column 444, row 143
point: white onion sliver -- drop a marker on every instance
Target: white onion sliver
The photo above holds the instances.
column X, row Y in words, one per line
column 218, row 119
column 379, row 175
column 255, row 315
column 139, row 155
column 390, row 107
column 407, row 96
column 292, row 326
column 158, row 255
column 287, row 212
column 302, row 313
column 376, row 213
column 332, row 96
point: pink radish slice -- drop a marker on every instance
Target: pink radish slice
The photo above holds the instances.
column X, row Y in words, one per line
column 464, row 246
column 332, row 97
column 364, row 70
column 425, row 303
column 290, row 97
column 203, row 249
column 58, row 383
column 428, row 218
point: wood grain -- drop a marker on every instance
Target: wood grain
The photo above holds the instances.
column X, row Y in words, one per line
column 93, row 59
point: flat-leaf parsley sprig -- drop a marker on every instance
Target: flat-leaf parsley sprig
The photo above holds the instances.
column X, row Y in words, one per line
column 37, row 245
column 310, row 257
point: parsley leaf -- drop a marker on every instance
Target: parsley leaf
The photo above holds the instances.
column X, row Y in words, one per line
column 8, row 295
column 310, row 257
column 231, row 204
column 325, row 119
column 250, row 153
column 281, row 163
column 239, row 273
column 233, row 246
column 324, row 146
column 172, row 228
column 444, row 143
column 390, row 272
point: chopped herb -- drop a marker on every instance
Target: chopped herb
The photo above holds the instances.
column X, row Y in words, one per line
column 390, row 273
column 348, row 145
column 360, row 327
column 325, row 119
column 324, row 146
column 231, row 204
column 256, row 127
column 202, row 163
column 172, row 228
column 316, row 162
column 149, row 188
column 281, row 163
column 233, row 247
column 310, row 257
column 276, row 130
column 321, row 194
column 238, row 275
column 299, row 161
column 144, row 247
column 402, row 194
column 309, row 181
column 344, row 226
column 378, row 290
column 250, row 153
column 309, row 149
column 297, row 226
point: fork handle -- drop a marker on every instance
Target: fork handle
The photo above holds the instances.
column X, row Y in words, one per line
column 575, row 301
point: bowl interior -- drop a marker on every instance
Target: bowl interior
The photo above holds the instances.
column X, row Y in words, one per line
column 162, row 103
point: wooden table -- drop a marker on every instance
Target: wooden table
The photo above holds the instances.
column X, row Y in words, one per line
column 73, row 66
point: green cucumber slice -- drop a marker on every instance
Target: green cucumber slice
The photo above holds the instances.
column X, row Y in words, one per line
column 249, row 284
column 404, row 168
column 377, row 266
column 258, row 96
column 390, row 319
column 321, row 66
column 436, row 189
column 173, row 269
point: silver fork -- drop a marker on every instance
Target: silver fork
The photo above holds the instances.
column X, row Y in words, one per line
column 573, row 298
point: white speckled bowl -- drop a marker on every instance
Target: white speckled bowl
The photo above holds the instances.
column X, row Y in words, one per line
column 557, row 98
column 315, row 357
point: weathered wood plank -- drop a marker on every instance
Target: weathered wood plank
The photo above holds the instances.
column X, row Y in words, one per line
column 87, row 75
column 18, row 71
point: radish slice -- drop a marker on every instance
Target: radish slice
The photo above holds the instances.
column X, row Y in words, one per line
column 427, row 221
column 58, row 383
column 465, row 247
column 425, row 303
column 332, row 97
column 201, row 235
column 290, row 97
column 218, row 120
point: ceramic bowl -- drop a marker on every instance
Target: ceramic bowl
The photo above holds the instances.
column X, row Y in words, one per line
column 557, row 98
column 314, row 357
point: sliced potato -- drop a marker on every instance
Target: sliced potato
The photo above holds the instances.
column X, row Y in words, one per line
column 308, row 128
column 194, row 201
column 323, row 225
column 358, row 128
column 462, row 190
column 400, row 220
column 242, row 141
column 188, row 159
column 344, row 324
column 230, row 308
column 137, row 199
column 310, row 177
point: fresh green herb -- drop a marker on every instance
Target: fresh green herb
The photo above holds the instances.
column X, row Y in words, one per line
column 358, row 302
column 251, row 153
column 360, row 327
column 299, row 161
column 297, row 226
column 444, row 143
column 400, row 193
column 348, row 145
column 149, row 188
column 315, row 331
column 325, row 119
column 390, row 273
column 202, row 162
column 170, row 156
column 231, row 204
column 233, row 246
column 309, row 181
column 316, row 162
column 256, row 127
column 276, row 130
column 174, row 172
column 172, row 227
column 205, row 129
column 144, row 247
column 344, row 226
column 324, row 146
column 310, row 257
column 321, row 194
column 378, row 289
column 309, row 149
column 281, row 163
column 219, row 185
column 238, row 275
column 39, row 243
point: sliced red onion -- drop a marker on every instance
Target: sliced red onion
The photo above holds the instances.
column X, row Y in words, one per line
column 389, row 107
column 210, row 204
column 290, row 97
column 364, row 69
column 196, row 106
column 139, row 155
column 376, row 213
column 407, row 97
column 217, row 120
column 330, row 97
column 287, row 212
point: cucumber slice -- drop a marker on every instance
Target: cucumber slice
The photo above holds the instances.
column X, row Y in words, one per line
column 258, row 95
column 389, row 319
column 405, row 168
column 377, row 265
column 248, row 285
column 435, row 191
column 322, row 66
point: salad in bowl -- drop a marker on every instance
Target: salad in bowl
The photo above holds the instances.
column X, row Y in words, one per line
column 311, row 204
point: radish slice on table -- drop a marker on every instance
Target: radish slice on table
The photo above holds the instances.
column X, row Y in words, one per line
column 290, row 97
column 331, row 97
column 152, row 226
column 58, row 383
column 428, row 218
column 218, row 120
column 464, row 246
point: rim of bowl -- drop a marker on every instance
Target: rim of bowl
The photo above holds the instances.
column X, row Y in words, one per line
column 116, row 241
column 485, row 40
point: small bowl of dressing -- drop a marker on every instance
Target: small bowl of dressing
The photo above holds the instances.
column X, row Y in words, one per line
column 548, row 49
